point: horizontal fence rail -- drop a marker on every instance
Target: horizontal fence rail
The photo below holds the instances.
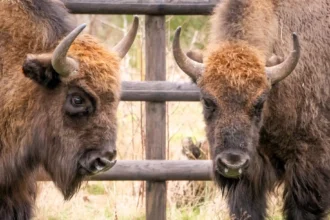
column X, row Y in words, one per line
column 155, row 170
column 159, row 91
column 167, row 7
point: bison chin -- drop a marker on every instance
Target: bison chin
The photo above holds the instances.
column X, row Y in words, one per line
column 65, row 174
column 223, row 182
column 70, row 169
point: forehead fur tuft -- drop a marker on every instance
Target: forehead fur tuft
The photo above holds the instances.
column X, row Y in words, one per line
column 98, row 66
column 236, row 66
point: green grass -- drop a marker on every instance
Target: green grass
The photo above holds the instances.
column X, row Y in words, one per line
column 95, row 189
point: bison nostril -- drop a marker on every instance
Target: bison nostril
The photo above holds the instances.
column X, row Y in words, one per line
column 99, row 164
column 102, row 164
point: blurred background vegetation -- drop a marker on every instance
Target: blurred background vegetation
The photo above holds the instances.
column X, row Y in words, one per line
column 125, row 199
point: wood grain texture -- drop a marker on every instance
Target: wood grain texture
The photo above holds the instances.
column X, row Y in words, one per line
column 159, row 85
column 155, row 32
column 150, row 7
column 154, row 170
column 159, row 91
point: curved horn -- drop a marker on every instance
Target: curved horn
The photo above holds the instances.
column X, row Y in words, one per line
column 62, row 64
column 195, row 55
column 189, row 66
column 282, row 70
column 125, row 44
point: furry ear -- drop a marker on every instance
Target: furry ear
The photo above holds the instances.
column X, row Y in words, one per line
column 39, row 69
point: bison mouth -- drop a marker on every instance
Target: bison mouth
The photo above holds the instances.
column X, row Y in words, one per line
column 230, row 173
column 231, row 164
column 94, row 161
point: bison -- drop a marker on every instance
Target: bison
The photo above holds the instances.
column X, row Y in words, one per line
column 267, row 118
column 59, row 97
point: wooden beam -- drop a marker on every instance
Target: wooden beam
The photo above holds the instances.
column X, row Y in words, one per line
column 155, row 34
column 169, row 7
column 159, row 170
column 159, row 91
column 154, row 170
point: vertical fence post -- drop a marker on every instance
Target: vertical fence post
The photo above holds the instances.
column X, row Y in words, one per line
column 155, row 114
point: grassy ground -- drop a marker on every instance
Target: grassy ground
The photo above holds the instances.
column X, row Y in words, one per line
column 115, row 200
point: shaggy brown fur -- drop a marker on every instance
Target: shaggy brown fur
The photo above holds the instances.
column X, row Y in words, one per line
column 35, row 128
column 284, row 128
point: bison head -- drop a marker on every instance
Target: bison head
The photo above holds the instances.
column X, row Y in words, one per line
column 234, row 84
column 77, row 91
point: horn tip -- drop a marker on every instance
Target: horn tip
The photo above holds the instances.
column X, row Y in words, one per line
column 136, row 19
column 177, row 36
column 83, row 25
column 178, row 31
column 295, row 35
column 296, row 44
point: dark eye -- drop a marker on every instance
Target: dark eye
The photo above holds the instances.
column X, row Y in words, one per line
column 209, row 108
column 77, row 100
column 257, row 108
column 208, row 104
column 79, row 103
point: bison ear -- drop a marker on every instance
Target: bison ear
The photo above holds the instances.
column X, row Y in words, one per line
column 39, row 69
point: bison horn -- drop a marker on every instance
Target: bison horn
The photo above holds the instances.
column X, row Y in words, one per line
column 282, row 70
column 125, row 44
column 189, row 66
column 62, row 64
column 195, row 55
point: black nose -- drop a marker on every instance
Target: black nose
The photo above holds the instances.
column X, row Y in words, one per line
column 232, row 164
column 95, row 162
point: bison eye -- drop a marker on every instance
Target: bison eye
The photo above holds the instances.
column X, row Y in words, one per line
column 257, row 108
column 209, row 108
column 79, row 103
column 208, row 104
column 258, row 105
column 77, row 100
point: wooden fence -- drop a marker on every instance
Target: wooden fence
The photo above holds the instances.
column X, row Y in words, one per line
column 155, row 170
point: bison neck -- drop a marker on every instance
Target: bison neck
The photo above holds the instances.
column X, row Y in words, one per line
column 27, row 26
column 19, row 155
column 298, row 107
column 16, row 202
column 17, row 182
